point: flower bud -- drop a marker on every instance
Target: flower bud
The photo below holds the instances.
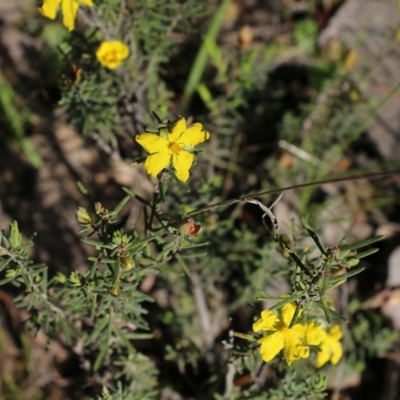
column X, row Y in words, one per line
column 320, row 382
column 188, row 227
column 352, row 262
column 84, row 217
column 74, row 278
column 10, row 273
column 127, row 263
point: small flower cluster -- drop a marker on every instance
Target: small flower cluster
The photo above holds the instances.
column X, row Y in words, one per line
column 110, row 53
column 296, row 340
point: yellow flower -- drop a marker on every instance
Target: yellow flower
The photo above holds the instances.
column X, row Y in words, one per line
column 176, row 146
column 111, row 53
column 331, row 348
column 69, row 9
column 294, row 341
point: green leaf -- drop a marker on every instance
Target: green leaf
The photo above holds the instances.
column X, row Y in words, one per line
column 264, row 296
column 287, row 300
column 297, row 260
column 295, row 316
column 106, row 260
column 100, row 356
column 367, row 253
column 138, row 245
column 190, row 245
column 333, row 313
column 120, row 206
column 82, row 188
column 100, row 325
column 361, row 243
column 325, row 308
column 313, row 235
column 5, row 263
column 183, row 265
column 193, row 255
column 343, row 277
column 136, row 196
column 123, row 338
column 139, row 336
column 169, row 270
column 6, row 280
column 200, row 62
column 98, row 244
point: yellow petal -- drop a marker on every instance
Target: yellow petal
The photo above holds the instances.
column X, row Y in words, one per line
column 336, row 352
column 49, row 8
column 193, row 135
column 314, row 334
column 267, row 322
column 69, row 10
column 287, row 312
column 152, row 143
column 323, row 355
column 294, row 348
column 331, row 348
column 155, row 163
column 87, row 2
column 177, row 130
column 299, row 331
column 182, row 163
column 271, row 345
column 335, row 332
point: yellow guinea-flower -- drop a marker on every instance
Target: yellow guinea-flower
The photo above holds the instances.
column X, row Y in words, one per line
column 294, row 341
column 330, row 348
column 111, row 53
column 69, row 10
column 175, row 145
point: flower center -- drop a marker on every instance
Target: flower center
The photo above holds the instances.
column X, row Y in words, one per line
column 175, row 148
column 285, row 330
column 111, row 56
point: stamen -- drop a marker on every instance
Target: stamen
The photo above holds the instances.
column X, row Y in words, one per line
column 175, row 148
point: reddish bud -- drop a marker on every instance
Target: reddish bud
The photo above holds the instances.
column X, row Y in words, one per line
column 188, row 227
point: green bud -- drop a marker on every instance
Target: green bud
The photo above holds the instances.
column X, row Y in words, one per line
column 84, row 217
column 11, row 273
column 75, row 278
column 352, row 262
column 105, row 394
column 117, row 238
column 60, row 277
column 126, row 263
column 15, row 235
column 320, row 382
column 99, row 208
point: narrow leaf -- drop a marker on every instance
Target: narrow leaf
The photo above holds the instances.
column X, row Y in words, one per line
column 361, row 243
column 183, row 265
column 367, row 253
column 120, row 206
column 313, row 235
column 286, row 300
